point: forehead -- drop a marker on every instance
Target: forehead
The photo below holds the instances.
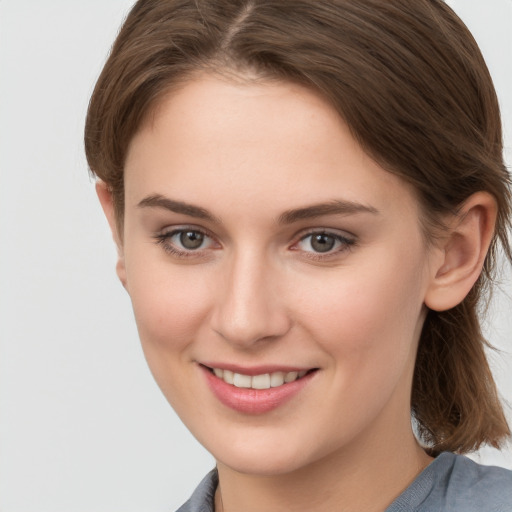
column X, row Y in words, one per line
column 274, row 144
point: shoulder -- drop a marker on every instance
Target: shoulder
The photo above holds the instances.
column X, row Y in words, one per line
column 487, row 487
column 454, row 483
column 202, row 499
column 464, row 470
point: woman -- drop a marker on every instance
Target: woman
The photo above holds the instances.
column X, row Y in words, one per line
column 307, row 199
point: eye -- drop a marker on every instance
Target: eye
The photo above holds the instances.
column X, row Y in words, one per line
column 185, row 242
column 324, row 243
column 190, row 240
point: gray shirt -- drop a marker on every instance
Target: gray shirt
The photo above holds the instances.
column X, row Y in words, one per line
column 451, row 483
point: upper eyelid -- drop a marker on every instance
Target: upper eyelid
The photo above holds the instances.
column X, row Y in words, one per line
column 341, row 233
column 172, row 230
column 169, row 231
column 181, row 227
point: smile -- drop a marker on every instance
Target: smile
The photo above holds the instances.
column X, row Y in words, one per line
column 265, row 389
column 262, row 381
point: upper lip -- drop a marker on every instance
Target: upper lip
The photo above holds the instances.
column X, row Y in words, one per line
column 255, row 370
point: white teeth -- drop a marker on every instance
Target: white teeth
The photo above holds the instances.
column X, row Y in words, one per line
column 291, row 376
column 263, row 381
column 242, row 381
column 228, row 376
column 276, row 379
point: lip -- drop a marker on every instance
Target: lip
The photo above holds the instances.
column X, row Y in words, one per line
column 254, row 401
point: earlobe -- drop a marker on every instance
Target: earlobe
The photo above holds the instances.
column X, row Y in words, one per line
column 462, row 252
column 107, row 204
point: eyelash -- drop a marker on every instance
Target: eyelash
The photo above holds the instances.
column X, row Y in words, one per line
column 346, row 244
column 164, row 239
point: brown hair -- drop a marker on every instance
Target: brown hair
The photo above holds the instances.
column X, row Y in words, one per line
column 408, row 79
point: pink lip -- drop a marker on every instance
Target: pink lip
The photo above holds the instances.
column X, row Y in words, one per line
column 254, row 401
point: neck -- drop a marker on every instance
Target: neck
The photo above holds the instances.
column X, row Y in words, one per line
column 365, row 477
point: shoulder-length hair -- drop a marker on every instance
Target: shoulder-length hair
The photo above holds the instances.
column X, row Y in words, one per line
column 410, row 82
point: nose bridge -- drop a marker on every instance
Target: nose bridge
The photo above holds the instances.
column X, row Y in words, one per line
column 249, row 308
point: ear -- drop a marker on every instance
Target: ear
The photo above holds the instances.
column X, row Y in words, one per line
column 460, row 255
column 107, row 203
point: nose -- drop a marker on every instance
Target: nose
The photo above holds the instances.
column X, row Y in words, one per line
column 249, row 307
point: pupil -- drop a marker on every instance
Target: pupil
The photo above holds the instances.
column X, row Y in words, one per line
column 191, row 239
column 322, row 243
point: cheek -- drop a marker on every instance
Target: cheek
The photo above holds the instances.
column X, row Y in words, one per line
column 169, row 302
column 366, row 317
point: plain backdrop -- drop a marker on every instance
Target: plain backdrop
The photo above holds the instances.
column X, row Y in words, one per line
column 83, row 427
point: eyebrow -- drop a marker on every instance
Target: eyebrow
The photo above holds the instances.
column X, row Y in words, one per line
column 158, row 201
column 335, row 207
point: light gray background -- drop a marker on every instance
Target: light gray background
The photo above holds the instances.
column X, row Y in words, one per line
column 83, row 427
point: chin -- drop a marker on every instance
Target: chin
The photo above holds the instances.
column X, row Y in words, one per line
column 263, row 459
column 261, row 465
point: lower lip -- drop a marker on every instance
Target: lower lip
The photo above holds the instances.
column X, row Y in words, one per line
column 254, row 401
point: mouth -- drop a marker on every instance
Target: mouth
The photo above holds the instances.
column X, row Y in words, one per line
column 260, row 381
column 256, row 390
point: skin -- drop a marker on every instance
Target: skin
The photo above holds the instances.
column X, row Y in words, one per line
column 257, row 293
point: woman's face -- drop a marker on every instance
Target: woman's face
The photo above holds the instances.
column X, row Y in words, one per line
column 262, row 244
